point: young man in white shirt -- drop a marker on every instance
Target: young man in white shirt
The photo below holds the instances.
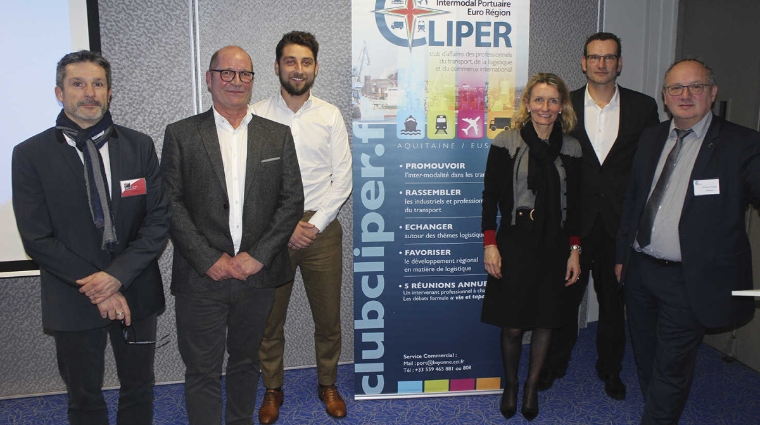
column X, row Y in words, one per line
column 324, row 157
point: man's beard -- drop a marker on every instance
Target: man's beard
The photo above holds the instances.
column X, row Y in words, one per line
column 83, row 116
column 294, row 91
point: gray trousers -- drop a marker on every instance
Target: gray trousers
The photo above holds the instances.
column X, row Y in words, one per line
column 231, row 318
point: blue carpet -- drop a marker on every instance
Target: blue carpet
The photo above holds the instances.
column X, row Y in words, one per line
column 723, row 393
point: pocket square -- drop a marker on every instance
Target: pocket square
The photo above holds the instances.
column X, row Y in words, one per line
column 277, row 158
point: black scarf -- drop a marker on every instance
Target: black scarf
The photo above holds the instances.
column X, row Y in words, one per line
column 543, row 181
column 89, row 141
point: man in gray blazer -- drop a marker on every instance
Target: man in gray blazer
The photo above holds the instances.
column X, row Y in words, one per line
column 235, row 186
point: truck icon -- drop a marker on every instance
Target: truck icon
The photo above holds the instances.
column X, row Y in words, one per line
column 397, row 25
column 500, row 123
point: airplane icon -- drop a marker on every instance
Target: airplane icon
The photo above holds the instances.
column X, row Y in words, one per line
column 474, row 125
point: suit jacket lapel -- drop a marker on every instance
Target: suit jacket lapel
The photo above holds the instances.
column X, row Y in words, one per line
column 210, row 140
column 73, row 163
column 114, row 157
column 253, row 159
column 654, row 158
column 624, row 108
column 580, row 113
column 703, row 157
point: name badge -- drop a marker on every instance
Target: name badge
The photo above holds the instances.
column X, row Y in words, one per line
column 133, row 187
column 706, row 187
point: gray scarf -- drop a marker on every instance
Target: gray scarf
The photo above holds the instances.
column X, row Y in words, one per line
column 89, row 141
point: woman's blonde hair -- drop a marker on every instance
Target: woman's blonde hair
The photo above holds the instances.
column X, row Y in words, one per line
column 567, row 116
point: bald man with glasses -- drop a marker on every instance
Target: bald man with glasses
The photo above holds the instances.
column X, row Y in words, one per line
column 235, row 186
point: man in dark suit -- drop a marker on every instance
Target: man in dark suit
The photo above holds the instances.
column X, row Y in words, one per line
column 610, row 121
column 92, row 212
column 235, row 186
column 682, row 245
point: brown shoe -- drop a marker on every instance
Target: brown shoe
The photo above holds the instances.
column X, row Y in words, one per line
column 270, row 406
column 336, row 407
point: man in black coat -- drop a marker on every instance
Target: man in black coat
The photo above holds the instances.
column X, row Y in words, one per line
column 610, row 121
column 92, row 212
column 682, row 245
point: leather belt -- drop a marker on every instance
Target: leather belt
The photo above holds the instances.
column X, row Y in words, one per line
column 525, row 213
column 660, row 262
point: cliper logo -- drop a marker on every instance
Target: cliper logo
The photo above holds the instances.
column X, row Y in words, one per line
column 464, row 31
column 406, row 16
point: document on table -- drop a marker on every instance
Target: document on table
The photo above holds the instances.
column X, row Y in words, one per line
column 750, row 293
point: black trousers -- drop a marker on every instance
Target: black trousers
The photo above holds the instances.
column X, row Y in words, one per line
column 81, row 364
column 665, row 334
column 232, row 318
column 597, row 260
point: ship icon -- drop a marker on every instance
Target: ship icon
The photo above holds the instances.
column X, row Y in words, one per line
column 410, row 127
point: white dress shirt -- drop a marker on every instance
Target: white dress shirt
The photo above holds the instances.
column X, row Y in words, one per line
column 324, row 155
column 602, row 124
column 233, row 143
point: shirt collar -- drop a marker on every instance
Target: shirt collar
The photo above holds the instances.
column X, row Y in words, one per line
column 615, row 101
column 221, row 121
column 281, row 102
column 699, row 129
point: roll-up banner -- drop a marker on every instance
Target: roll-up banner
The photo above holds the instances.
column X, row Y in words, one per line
column 433, row 82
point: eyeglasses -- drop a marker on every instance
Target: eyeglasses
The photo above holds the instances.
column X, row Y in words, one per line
column 130, row 337
column 227, row 75
column 597, row 58
column 677, row 89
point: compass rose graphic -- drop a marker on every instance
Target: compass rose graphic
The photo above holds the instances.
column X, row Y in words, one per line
column 409, row 12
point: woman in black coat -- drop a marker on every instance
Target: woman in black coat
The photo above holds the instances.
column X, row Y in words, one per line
column 533, row 179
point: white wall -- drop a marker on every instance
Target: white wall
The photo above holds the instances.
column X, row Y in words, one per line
column 648, row 32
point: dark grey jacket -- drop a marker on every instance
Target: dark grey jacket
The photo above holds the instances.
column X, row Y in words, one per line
column 193, row 174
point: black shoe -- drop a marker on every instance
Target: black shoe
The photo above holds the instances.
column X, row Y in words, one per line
column 546, row 379
column 530, row 402
column 613, row 386
column 508, row 405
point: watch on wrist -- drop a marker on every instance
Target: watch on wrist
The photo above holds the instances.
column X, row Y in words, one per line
column 576, row 248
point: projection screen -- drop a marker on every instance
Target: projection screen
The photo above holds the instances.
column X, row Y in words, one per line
column 34, row 35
